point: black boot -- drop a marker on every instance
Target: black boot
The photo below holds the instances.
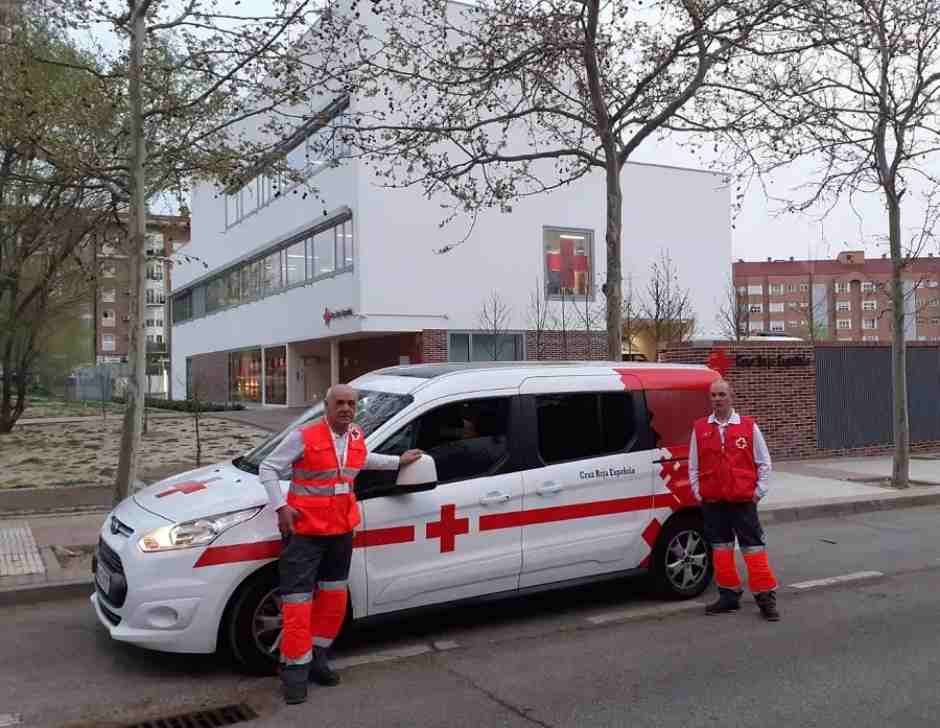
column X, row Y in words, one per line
column 320, row 670
column 294, row 682
column 767, row 601
column 728, row 601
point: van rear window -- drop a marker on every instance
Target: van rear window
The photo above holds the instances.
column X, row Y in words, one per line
column 672, row 413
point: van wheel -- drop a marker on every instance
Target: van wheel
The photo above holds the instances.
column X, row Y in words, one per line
column 254, row 624
column 682, row 561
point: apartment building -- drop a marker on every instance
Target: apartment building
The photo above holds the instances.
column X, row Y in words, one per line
column 166, row 234
column 845, row 299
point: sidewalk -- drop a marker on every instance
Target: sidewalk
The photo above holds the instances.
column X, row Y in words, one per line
column 49, row 557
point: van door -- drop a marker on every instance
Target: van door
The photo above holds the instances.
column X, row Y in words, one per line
column 424, row 548
column 588, row 492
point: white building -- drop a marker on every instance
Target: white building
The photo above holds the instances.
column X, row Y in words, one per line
column 301, row 293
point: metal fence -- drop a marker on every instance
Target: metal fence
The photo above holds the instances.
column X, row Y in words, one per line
column 854, row 396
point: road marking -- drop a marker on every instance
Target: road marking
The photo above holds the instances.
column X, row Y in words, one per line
column 856, row 576
column 397, row 653
column 625, row 615
column 8, row 719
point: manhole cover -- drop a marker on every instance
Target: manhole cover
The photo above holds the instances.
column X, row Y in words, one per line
column 212, row 718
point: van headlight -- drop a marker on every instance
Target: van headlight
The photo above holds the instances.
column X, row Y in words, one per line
column 199, row 532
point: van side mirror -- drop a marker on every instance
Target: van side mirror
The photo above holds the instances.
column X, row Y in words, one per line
column 421, row 475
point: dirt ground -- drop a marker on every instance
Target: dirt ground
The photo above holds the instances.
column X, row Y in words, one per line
column 86, row 453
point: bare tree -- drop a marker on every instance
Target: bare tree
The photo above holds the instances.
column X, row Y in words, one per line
column 632, row 324
column 734, row 314
column 495, row 315
column 858, row 95
column 540, row 318
column 667, row 307
column 203, row 94
column 591, row 318
column 503, row 99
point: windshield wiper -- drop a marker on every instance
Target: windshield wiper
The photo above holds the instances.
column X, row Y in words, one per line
column 243, row 464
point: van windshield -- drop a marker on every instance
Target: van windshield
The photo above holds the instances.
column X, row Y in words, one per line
column 373, row 411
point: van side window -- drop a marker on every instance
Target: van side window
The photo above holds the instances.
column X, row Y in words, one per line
column 584, row 425
column 672, row 412
column 467, row 439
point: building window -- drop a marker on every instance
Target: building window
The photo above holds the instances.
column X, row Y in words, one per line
column 324, row 253
column 275, row 375
column 605, row 425
column 868, row 286
column 755, row 326
column 486, row 347
column 755, row 290
column 843, row 306
column 804, row 305
column 244, row 375
column 935, row 322
column 108, row 271
column 791, row 287
column 844, row 324
column 569, row 260
column 869, row 305
column 182, row 307
column 108, row 295
column 107, row 317
column 776, row 307
column 294, row 264
column 869, row 323
column 793, row 305
column 742, row 290
column 107, row 342
column 776, row 289
column 272, row 272
column 870, row 337
column 804, row 287
column 931, row 284
column 756, row 308
column 777, row 327
column 155, row 271
column 215, row 294
column 842, row 287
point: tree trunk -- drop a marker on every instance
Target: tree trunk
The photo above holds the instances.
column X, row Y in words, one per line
column 901, row 424
column 614, row 266
column 137, row 262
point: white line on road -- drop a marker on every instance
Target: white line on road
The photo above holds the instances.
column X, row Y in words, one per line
column 8, row 719
column 624, row 615
column 856, row 576
column 397, row 653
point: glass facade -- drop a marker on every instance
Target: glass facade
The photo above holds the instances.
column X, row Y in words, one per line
column 320, row 252
column 275, row 375
column 244, row 369
column 569, row 262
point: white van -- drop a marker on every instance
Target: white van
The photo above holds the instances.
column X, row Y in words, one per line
column 539, row 474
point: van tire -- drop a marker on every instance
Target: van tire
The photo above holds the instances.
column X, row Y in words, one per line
column 681, row 552
column 253, row 595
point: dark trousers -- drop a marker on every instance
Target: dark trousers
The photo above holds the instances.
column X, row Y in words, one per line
column 314, row 571
column 725, row 521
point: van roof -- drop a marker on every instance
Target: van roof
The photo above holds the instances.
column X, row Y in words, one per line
column 513, row 373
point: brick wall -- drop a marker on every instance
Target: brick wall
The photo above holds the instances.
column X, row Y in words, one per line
column 574, row 345
column 210, row 374
column 781, row 398
column 433, row 346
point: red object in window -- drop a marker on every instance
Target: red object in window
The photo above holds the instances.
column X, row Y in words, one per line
column 567, row 263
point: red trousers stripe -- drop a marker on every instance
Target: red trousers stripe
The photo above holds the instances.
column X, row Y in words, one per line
column 760, row 576
column 296, row 640
column 726, row 572
column 327, row 615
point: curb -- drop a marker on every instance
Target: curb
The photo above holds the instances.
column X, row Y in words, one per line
column 50, row 592
column 71, row 588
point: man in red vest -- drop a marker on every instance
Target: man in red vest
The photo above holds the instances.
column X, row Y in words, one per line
column 316, row 521
column 729, row 466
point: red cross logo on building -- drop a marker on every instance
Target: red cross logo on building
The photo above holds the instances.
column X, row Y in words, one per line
column 719, row 361
column 567, row 263
column 190, row 486
column 448, row 527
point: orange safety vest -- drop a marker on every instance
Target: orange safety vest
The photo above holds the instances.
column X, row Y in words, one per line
column 321, row 488
column 727, row 471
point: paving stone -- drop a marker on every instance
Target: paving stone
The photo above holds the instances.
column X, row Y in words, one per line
column 18, row 552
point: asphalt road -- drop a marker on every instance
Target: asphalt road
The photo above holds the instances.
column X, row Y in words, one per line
column 863, row 653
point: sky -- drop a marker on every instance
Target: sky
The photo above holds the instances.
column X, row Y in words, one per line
column 758, row 231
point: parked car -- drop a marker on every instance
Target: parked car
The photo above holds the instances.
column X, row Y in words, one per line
column 537, row 475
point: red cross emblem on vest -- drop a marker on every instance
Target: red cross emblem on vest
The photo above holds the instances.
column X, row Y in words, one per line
column 448, row 528
column 355, row 433
column 741, row 442
column 190, row 486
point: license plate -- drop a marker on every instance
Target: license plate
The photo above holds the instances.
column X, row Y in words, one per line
column 103, row 578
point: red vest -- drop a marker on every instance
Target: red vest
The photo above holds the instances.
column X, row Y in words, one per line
column 322, row 488
column 726, row 472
